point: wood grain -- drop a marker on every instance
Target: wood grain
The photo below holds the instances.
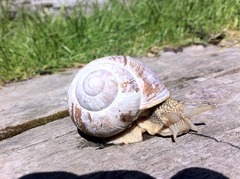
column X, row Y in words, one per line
column 196, row 76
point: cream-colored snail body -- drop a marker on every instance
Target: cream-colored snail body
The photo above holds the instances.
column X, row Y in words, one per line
column 119, row 98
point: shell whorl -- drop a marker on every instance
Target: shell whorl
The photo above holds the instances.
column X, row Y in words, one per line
column 109, row 93
column 97, row 90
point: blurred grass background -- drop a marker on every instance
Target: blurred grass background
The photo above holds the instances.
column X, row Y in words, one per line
column 34, row 43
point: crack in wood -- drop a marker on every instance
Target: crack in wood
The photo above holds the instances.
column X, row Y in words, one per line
column 27, row 146
column 18, row 129
column 227, row 72
column 218, row 141
column 180, row 82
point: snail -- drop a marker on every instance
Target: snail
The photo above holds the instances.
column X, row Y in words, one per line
column 118, row 98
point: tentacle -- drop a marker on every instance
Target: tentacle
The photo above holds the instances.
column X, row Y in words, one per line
column 190, row 124
column 178, row 128
column 198, row 110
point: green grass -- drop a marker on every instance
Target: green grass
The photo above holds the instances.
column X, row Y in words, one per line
column 33, row 43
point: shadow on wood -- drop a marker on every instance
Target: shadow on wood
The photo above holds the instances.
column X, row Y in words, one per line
column 198, row 173
column 188, row 173
column 96, row 175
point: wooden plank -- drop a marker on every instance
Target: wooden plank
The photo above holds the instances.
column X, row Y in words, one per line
column 57, row 147
column 35, row 98
column 46, row 95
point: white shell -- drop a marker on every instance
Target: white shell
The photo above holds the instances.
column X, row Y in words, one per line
column 109, row 93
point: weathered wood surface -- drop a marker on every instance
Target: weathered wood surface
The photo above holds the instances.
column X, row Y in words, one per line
column 196, row 76
column 35, row 98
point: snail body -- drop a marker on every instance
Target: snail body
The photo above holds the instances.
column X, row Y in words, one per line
column 119, row 98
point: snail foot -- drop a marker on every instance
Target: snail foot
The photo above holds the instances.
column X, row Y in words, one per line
column 131, row 135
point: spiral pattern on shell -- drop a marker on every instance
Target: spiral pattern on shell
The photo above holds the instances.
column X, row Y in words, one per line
column 109, row 93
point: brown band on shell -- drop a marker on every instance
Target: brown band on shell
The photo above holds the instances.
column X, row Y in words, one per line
column 125, row 60
column 128, row 117
column 72, row 111
column 78, row 119
column 89, row 117
column 115, row 58
column 121, row 60
column 129, row 86
column 138, row 69
column 149, row 90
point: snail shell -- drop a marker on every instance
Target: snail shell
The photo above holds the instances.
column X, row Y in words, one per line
column 109, row 93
